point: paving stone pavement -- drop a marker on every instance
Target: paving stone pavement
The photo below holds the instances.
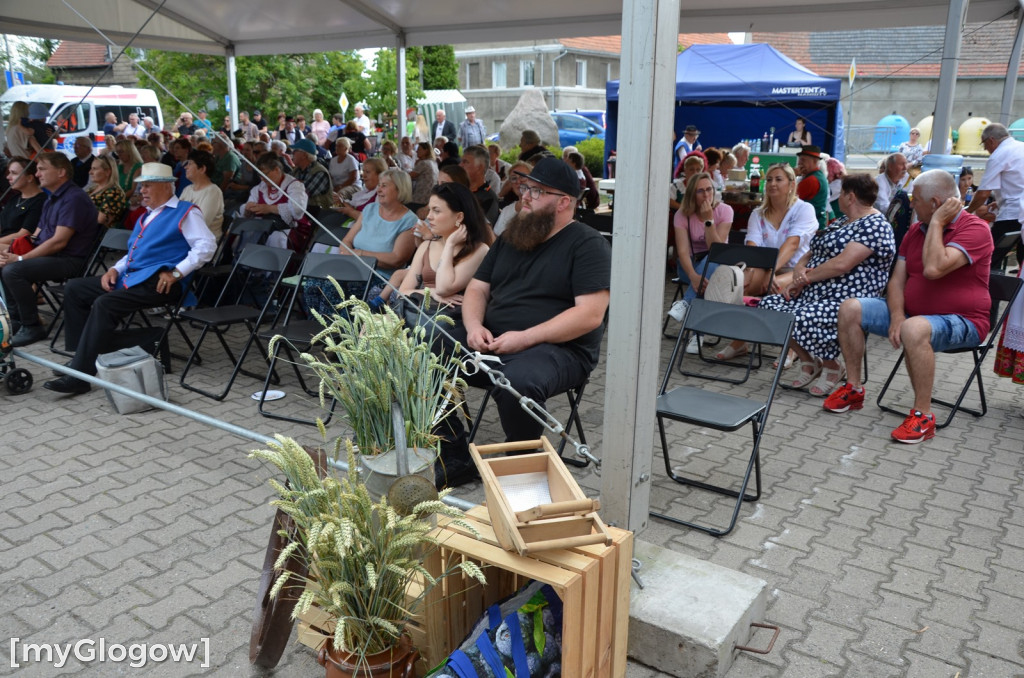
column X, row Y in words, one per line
column 882, row 559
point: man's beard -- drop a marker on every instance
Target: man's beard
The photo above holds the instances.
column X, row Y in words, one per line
column 527, row 230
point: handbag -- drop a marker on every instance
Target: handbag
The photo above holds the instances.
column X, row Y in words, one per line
column 520, row 637
column 726, row 284
column 22, row 245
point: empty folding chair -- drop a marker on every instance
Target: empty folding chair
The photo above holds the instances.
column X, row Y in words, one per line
column 297, row 332
column 731, row 255
column 245, row 300
column 708, row 408
column 1004, row 289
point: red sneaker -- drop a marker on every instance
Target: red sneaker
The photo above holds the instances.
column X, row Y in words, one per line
column 915, row 428
column 844, row 398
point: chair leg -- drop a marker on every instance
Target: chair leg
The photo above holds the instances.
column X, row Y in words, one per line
column 678, row 294
column 479, row 415
column 575, row 396
column 957, row 406
column 741, row 495
column 885, row 387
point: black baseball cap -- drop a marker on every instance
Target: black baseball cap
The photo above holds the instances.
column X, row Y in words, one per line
column 557, row 174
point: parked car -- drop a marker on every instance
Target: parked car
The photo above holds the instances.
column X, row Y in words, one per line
column 594, row 115
column 573, row 128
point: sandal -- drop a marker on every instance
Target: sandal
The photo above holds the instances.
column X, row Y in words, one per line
column 730, row 352
column 803, row 377
column 790, row 357
column 828, row 381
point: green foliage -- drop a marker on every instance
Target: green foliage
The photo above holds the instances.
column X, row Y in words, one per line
column 377, row 86
column 440, row 70
column 361, row 555
column 29, row 55
column 593, row 155
column 510, row 155
column 295, row 83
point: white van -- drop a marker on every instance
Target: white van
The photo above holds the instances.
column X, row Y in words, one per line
column 76, row 114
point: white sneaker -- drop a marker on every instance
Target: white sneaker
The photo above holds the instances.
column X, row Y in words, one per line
column 693, row 347
column 678, row 310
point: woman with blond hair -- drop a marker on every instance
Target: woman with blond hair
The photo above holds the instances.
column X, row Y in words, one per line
column 782, row 221
column 20, row 140
column 105, row 190
column 320, row 127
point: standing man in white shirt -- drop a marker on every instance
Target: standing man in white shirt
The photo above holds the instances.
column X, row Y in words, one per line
column 134, row 127
column 1004, row 174
column 361, row 120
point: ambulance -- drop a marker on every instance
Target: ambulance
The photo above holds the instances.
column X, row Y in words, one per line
column 81, row 111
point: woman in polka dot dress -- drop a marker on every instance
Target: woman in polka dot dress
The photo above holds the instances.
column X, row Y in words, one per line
column 850, row 258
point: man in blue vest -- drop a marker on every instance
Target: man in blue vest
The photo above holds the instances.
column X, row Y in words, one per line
column 168, row 243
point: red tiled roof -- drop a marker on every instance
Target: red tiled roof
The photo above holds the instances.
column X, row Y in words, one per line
column 909, row 53
column 612, row 44
column 78, row 55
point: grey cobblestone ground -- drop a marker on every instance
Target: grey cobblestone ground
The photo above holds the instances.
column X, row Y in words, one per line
column 882, row 559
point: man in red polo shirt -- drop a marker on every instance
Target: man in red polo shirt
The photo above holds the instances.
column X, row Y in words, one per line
column 937, row 299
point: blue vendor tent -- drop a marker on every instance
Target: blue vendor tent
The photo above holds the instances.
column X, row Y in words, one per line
column 733, row 92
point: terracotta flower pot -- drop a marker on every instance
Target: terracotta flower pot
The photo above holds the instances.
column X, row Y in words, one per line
column 397, row 662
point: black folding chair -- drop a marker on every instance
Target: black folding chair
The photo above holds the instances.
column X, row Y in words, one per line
column 113, row 242
column 257, row 272
column 52, row 291
column 731, row 255
column 574, row 395
column 1003, row 288
column 254, row 230
column 1002, row 248
column 297, row 332
column 722, row 411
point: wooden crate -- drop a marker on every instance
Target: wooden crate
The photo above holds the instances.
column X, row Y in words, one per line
column 533, row 501
column 592, row 581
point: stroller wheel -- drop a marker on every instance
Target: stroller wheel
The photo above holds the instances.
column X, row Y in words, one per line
column 18, row 381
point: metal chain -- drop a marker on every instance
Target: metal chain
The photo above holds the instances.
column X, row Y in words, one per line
column 529, row 405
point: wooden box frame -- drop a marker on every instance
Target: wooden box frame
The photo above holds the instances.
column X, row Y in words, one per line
column 569, row 520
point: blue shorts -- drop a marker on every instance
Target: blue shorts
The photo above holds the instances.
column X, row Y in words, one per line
column 948, row 331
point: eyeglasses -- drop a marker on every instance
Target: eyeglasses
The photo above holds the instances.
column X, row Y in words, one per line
column 536, row 191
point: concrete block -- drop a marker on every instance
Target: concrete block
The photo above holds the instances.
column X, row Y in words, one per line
column 691, row 613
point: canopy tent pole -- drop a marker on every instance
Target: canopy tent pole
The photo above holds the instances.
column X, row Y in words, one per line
column 947, row 74
column 400, row 75
column 649, row 45
column 232, row 88
column 1012, row 66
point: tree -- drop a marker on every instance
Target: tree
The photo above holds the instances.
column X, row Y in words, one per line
column 440, row 70
column 30, row 56
column 377, row 88
column 294, row 83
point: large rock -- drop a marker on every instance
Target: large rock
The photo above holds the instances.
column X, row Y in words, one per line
column 530, row 112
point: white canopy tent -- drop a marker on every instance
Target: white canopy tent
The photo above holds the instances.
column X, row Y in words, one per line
column 649, row 38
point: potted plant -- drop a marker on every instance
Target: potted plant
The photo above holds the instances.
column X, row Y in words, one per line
column 367, row 360
column 361, row 557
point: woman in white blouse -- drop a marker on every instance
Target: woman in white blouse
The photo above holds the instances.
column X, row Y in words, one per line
column 782, row 221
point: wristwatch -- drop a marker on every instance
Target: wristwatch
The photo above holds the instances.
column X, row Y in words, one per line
column 176, row 274
column 708, row 223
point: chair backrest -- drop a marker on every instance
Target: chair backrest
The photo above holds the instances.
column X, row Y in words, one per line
column 111, row 240
column 733, row 321
column 1006, row 243
column 329, row 235
column 1003, row 289
column 251, row 225
column 753, row 257
column 340, row 267
column 257, row 270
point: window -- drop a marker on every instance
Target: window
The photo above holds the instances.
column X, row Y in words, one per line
column 473, row 76
column 526, row 73
column 581, row 73
column 498, row 71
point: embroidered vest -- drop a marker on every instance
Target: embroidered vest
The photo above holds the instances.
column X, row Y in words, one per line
column 156, row 245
